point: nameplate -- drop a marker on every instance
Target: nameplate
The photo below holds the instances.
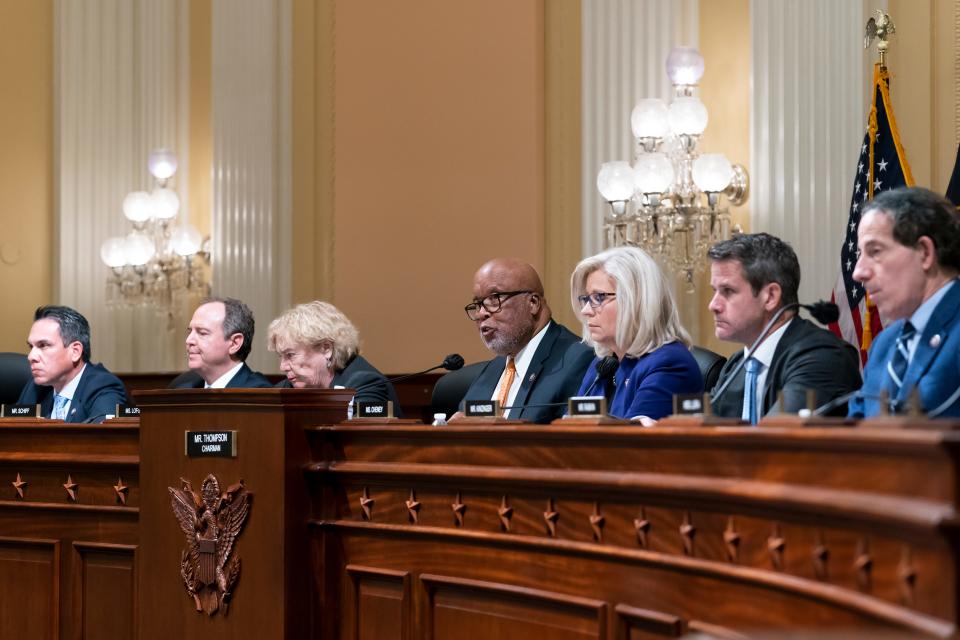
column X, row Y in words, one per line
column 688, row 404
column 127, row 411
column 21, row 411
column 379, row 409
column 207, row 444
column 582, row 406
column 481, row 408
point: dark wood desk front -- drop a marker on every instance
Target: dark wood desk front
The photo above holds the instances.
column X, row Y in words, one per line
column 624, row 532
column 69, row 506
column 477, row 531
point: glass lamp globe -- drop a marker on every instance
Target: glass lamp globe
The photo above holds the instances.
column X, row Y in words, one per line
column 113, row 252
column 185, row 240
column 138, row 249
column 165, row 203
column 650, row 119
column 687, row 116
column 653, row 173
column 162, row 163
column 137, row 206
column 684, row 65
column 712, row 172
column 615, row 181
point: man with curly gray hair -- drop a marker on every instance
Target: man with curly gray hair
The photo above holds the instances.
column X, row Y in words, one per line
column 909, row 259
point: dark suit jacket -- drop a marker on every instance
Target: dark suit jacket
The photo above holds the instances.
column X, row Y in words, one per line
column 360, row 373
column 645, row 386
column 553, row 376
column 807, row 357
column 934, row 368
column 98, row 394
column 246, row 378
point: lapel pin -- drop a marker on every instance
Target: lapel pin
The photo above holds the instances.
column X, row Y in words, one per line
column 533, row 377
column 935, row 341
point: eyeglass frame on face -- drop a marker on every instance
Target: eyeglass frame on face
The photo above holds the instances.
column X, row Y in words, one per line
column 500, row 297
column 596, row 299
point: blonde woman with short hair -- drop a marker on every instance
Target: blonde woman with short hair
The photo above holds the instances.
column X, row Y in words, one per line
column 628, row 311
column 319, row 348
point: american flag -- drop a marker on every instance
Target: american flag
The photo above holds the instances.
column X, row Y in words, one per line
column 882, row 165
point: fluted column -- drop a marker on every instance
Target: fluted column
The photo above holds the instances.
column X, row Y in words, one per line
column 251, row 159
column 625, row 48
column 117, row 94
column 811, row 78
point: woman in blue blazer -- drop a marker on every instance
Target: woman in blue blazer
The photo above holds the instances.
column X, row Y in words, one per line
column 627, row 310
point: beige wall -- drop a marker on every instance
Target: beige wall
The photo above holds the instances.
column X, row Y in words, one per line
column 725, row 90
column 26, row 165
column 923, row 85
column 438, row 145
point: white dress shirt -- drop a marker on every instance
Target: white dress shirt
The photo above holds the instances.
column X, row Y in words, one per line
column 225, row 379
column 522, row 362
column 68, row 391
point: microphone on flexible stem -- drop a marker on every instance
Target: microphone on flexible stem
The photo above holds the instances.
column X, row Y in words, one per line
column 839, row 400
column 452, row 362
column 823, row 312
column 606, row 367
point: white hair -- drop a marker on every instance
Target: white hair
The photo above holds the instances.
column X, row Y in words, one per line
column 647, row 315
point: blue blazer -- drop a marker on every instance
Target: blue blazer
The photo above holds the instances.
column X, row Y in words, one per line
column 934, row 369
column 556, row 369
column 645, row 386
column 97, row 395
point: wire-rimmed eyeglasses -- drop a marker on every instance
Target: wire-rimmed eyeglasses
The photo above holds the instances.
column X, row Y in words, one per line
column 595, row 299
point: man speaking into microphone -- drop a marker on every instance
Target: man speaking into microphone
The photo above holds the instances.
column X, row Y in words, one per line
column 539, row 361
column 753, row 276
column 909, row 258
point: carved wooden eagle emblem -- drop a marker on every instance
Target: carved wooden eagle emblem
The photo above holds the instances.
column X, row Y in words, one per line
column 211, row 521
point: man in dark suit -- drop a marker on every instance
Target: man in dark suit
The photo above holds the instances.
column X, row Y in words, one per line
column 753, row 276
column 909, row 259
column 538, row 361
column 219, row 339
column 65, row 384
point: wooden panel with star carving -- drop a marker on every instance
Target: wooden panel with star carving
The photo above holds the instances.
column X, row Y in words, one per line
column 78, row 486
column 643, row 519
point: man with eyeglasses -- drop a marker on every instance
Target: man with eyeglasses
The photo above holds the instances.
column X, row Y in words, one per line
column 539, row 362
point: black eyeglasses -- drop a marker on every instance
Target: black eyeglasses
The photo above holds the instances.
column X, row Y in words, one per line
column 491, row 303
column 596, row 300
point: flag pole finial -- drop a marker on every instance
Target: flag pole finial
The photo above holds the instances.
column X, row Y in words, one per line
column 880, row 28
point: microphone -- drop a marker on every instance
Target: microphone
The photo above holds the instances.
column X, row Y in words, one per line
column 606, row 367
column 822, row 311
column 452, row 362
column 826, row 407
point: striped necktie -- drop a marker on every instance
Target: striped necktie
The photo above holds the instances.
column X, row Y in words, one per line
column 897, row 366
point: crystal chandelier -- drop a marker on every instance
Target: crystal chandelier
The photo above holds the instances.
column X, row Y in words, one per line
column 668, row 201
column 159, row 261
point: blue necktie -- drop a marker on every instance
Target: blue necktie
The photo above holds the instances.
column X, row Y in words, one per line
column 750, row 385
column 897, row 366
column 60, row 404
